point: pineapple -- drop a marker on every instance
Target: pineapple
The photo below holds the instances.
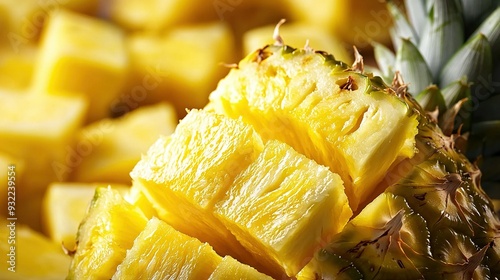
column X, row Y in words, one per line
column 106, row 233
column 162, row 66
column 293, row 105
column 161, row 252
column 453, row 45
column 64, row 206
column 108, row 149
column 229, row 268
column 29, row 254
column 244, row 174
column 81, row 55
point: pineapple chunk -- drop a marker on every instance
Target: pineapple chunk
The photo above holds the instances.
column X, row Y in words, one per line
column 367, row 20
column 161, row 252
column 175, row 67
column 34, row 256
column 284, row 207
column 82, row 55
column 104, row 236
column 39, row 135
column 230, row 268
column 110, row 148
column 288, row 95
column 185, row 174
column 152, row 15
column 65, row 205
column 16, row 68
column 297, row 34
column 137, row 198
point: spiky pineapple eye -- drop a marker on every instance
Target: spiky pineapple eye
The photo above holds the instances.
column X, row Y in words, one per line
column 347, row 84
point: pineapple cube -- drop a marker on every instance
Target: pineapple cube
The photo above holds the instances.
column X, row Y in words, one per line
column 297, row 34
column 82, row 55
column 284, row 207
column 16, row 68
column 40, row 134
column 114, row 146
column 34, row 256
column 176, row 67
column 185, row 174
column 366, row 20
column 230, row 268
column 104, row 236
column 65, row 205
column 161, row 252
column 152, row 15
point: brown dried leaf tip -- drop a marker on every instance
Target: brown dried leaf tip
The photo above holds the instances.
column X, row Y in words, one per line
column 276, row 35
column 358, row 65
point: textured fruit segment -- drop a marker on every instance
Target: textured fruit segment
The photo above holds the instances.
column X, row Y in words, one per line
column 107, row 150
column 290, row 95
column 175, row 67
column 82, row 55
column 105, row 235
column 185, row 174
column 161, row 252
column 283, row 207
column 229, row 268
column 64, row 207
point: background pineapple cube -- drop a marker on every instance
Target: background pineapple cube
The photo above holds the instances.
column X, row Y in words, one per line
column 284, row 207
column 64, row 207
column 116, row 145
column 16, row 67
column 161, row 252
column 82, row 55
column 36, row 257
column 176, row 67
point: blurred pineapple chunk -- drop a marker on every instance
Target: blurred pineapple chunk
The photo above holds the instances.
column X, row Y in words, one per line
column 161, row 252
column 109, row 149
column 82, row 55
column 230, row 268
column 16, row 67
column 35, row 256
column 152, row 15
column 356, row 22
column 297, row 34
column 38, row 131
column 181, row 66
column 65, row 205
column 40, row 134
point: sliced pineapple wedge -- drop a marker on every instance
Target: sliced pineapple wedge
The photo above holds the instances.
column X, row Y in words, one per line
column 104, row 236
column 284, row 207
column 65, row 205
column 294, row 104
column 229, row 268
column 161, row 252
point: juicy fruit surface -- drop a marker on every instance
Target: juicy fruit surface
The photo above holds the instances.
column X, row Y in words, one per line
column 161, row 252
column 230, row 268
column 105, row 234
column 288, row 95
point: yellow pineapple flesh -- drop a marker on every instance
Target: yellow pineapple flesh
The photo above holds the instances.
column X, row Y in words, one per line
column 185, row 174
column 229, row 268
column 161, row 252
column 294, row 104
column 104, row 236
column 282, row 206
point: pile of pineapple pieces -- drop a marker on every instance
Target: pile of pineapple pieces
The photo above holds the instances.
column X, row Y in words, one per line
column 88, row 85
